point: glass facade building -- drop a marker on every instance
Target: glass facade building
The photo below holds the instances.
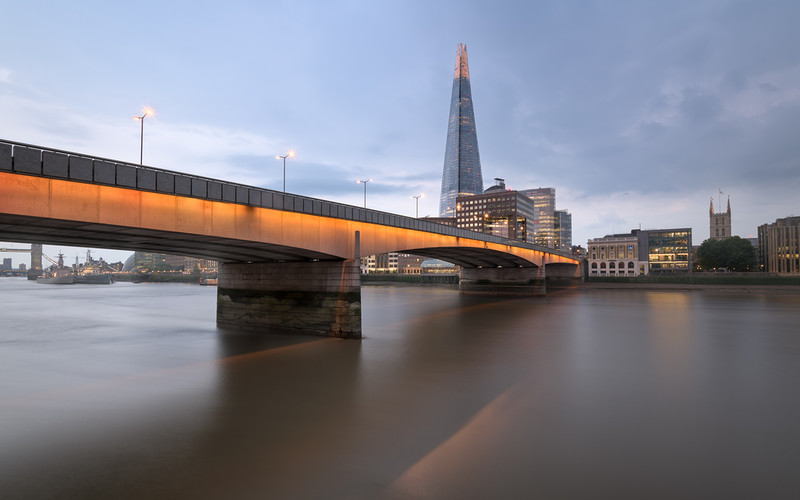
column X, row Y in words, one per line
column 544, row 224
column 461, row 174
column 668, row 250
column 563, row 230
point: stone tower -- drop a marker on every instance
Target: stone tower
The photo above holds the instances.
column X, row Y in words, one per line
column 719, row 223
column 462, row 162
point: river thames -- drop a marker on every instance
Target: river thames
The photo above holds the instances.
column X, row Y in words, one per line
column 130, row 391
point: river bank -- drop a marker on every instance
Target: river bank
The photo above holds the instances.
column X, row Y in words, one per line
column 710, row 287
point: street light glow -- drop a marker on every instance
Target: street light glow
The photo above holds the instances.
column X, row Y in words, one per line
column 365, row 189
column 416, row 200
column 290, row 154
column 147, row 112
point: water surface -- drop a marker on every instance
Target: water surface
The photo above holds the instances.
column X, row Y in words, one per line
column 130, row 391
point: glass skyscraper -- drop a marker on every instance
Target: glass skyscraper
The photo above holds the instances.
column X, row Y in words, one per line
column 462, row 162
column 544, row 225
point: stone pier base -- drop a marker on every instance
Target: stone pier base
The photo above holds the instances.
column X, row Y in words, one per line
column 503, row 281
column 311, row 298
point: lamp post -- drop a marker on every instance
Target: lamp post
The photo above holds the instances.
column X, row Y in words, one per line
column 146, row 112
column 416, row 199
column 290, row 154
column 365, row 189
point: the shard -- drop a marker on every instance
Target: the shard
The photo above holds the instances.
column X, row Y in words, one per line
column 462, row 162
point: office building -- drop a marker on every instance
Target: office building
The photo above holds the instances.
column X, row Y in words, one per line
column 779, row 246
column 544, row 222
column 409, row 264
column 461, row 174
column 382, row 263
column 666, row 250
column 563, row 230
column 655, row 251
column 615, row 255
column 497, row 211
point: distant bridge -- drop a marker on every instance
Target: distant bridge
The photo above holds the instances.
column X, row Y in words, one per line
column 269, row 243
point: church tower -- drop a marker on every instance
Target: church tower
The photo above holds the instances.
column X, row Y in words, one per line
column 719, row 223
column 462, row 162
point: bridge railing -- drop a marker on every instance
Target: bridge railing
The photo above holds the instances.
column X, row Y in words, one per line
column 40, row 161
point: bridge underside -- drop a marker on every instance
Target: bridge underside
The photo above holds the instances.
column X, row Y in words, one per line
column 26, row 229
column 473, row 257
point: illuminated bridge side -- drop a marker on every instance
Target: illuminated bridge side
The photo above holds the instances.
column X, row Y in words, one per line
column 269, row 243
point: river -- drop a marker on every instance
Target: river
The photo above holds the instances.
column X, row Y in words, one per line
column 130, row 391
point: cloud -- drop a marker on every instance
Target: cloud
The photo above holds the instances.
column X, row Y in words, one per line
column 5, row 75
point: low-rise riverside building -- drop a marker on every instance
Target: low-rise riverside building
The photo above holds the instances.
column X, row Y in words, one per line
column 615, row 255
column 668, row 251
column 649, row 251
column 382, row 263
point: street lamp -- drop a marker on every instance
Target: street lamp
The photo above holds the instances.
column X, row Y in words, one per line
column 416, row 199
column 290, row 154
column 146, row 112
column 365, row 189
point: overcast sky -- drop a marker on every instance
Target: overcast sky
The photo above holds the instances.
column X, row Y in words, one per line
column 636, row 112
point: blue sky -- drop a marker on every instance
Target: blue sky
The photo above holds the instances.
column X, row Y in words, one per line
column 636, row 112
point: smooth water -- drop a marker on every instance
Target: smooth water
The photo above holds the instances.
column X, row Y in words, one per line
column 130, row 391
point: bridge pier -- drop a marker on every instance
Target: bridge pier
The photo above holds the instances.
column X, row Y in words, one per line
column 560, row 275
column 311, row 298
column 503, row 281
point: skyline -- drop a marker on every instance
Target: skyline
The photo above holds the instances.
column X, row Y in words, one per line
column 635, row 113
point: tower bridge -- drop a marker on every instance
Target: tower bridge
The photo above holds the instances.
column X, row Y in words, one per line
column 287, row 262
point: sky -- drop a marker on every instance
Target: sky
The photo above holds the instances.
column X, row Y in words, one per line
column 637, row 112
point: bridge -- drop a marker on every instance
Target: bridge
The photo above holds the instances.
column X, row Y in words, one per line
column 287, row 262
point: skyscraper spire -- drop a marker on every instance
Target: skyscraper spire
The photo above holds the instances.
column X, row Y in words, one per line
column 462, row 162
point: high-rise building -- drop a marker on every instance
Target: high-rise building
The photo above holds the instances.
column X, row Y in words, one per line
column 497, row 211
column 543, row 228
column 462, row 162
column 719, row 223
column 563, row 230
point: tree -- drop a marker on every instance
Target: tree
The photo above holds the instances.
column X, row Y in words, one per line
column 734, row 253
